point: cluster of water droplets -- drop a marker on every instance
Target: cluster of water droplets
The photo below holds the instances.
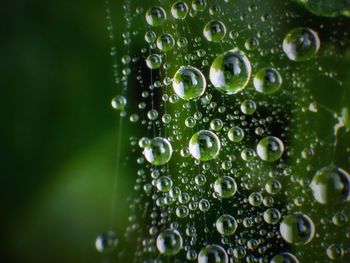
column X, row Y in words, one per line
column 224, row 167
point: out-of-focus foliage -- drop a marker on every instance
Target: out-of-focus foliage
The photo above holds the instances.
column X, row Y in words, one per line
column 327, row 7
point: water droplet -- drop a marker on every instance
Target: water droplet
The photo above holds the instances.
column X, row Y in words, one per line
column 204, row 145
column 164, row 184
column 255, row 199
column 158, row 151
column 150, row 37
column 211, row 254
column 225, row 186
column 272, row 216
column 297, row 229
column 230, row 72
column 106, row 242
column 179, row 10
column 118, row 102
column 216, row 124
column 335, row 252
column 284, row 257
column 155, row 16
column 214, row 31
column 154, row 61
column 267, row 81
column 248, row 107
column 165, row 42
column 236, row 134
column 199, row 5
column 301, row 44
column 331, row 185
column 226, row 225
column 270, row 149
column 169, row 242
column 189, row 83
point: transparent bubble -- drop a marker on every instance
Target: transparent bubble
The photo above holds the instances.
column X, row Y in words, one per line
column 297, row 229
column 175, row 192
column 301, row 44
column 169, row 242
column 179, row 10
column 106, row 242
column 339, row 219
column 190, row 122
column 165, row 42
column 230, row 72
column 182, row 42
column 204, row 205
column 225, row 186
column 270, row 149
column 284, row 257
column 255, row 199
column 134, row 117
column 189, row 83
column 212, row 254
column 248, row 107
column 204, row 145
column 273, row 186
column 166, row 118
column 214, row 10
column 335, row 252
column 247, row 154
column 144, row 141
column 118, row 102
column 150, row 37
column 199, row 5
column 214, row 31
column 164, row 184
column 182, row 211
column 272, row 216
column 200, row 179
column 152, row 114
column 191, row 255
column 236, row 134
column 154, row 61
column 216, row 124
column 239, row 252
column 251, row 44
column 267, row 81
column 331, row 185
column 158, row 151
column 155, row 16
column 226, row 225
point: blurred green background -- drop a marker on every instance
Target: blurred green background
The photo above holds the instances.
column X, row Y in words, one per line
column 57, row 158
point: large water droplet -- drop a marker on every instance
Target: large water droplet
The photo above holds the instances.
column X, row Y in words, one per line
column 189, row 83
column 179, row 10
column 155, row 16
column 158, row 151
column 230, row 72
column 225, row 186
column 169, row 242
column 226, row 225
column 106, row 242
column 270, row 148
column 297, row 229
column 214, row 31
column 204, row 145
column 212, row 254
column 331, row 185
column 301, row 44
column 267, row 81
